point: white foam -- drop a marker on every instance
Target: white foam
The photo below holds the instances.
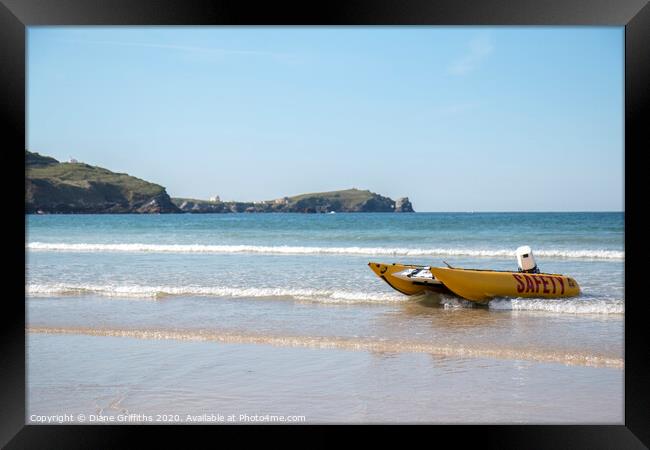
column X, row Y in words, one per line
column 450, row 302
column 154, row 292
column 565, row 306
column 301, row 250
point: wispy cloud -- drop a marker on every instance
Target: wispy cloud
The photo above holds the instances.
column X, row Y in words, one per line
column 189, row 49
column 478, row 50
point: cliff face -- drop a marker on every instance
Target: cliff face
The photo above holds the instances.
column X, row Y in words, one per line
column 350, row 200
column 54, row 187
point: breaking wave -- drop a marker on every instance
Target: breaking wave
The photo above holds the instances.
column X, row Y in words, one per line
column 301, row 250
column 564, row 306
column 354, row 344
column 156, row 292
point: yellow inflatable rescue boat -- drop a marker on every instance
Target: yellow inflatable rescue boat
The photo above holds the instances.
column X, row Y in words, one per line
column 478, row 285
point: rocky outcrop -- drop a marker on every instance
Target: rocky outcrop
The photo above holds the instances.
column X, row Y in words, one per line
column 403, row 205
column 198, row 206
column 161, row 204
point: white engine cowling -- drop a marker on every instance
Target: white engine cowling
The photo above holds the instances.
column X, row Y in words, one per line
column 525, row 259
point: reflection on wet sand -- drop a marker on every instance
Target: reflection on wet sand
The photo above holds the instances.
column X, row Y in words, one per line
column 358, row 344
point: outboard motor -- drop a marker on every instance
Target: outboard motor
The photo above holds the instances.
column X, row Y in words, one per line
column 525, row 260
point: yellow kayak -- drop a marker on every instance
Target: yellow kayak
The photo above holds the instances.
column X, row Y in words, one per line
column 473, row 284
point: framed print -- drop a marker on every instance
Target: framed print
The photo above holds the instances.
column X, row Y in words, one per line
column 358, row 214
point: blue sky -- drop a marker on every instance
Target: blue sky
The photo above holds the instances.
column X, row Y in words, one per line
column 455, row 118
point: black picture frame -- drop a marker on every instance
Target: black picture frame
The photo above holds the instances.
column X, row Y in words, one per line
column 16, row 15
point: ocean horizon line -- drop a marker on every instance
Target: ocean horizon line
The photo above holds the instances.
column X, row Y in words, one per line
column 348, row 212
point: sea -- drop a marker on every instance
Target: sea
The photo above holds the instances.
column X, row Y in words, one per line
column 277, row 318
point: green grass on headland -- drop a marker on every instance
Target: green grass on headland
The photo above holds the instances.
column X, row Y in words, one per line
column 53, row 187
